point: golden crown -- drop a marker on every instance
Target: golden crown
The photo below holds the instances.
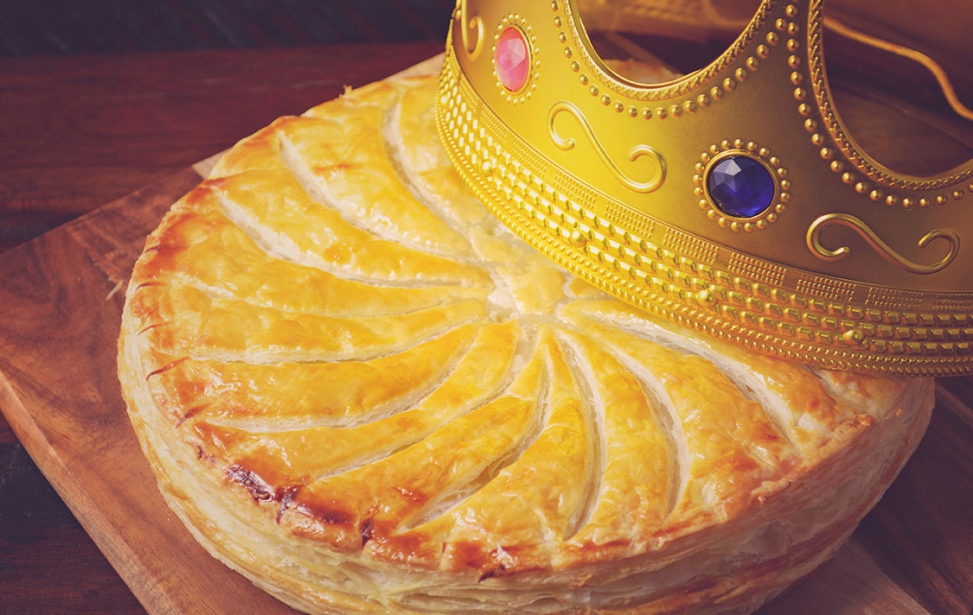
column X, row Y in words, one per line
column 732, row 200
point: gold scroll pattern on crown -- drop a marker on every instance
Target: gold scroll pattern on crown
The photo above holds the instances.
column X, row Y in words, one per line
column 599, row 173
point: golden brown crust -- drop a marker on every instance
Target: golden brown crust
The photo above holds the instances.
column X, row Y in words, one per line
column 359, row 390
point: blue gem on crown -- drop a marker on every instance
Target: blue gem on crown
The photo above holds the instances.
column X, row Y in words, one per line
column 741, row 186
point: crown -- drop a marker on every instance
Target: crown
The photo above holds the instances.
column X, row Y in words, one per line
column 732, row 200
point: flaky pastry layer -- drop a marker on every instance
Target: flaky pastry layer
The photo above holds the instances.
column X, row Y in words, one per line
column 360, row 391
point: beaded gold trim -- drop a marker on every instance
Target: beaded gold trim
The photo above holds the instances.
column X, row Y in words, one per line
column 801, row 315
column 608, row 178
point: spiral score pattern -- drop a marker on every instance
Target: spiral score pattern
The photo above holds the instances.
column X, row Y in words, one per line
column 363, row 392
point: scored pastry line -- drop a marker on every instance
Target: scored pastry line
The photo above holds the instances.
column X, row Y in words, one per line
column 743, row 378
column 281, row 246
column 667, row 417
column 448, row 502
column 690, row 473
column 221, row 293
column 750, row 387
column 203, row 264
column 596, row 353
column 414, row 399
column 596, row 434
column 379, row 337
column 318, row 191
column 367, row 217
column 421, row 421
column 438, row 201
column 395, row 150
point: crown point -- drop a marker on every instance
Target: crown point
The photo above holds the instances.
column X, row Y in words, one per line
column 512, row 59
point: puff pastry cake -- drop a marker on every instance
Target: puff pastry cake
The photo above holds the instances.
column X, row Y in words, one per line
column 360, row 391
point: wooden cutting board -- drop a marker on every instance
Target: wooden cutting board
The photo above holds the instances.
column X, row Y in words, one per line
column 61, row 299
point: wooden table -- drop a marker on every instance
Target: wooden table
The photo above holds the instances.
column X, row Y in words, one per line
column 77, row 133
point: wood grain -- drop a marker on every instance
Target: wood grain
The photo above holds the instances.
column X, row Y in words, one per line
column 76, row 133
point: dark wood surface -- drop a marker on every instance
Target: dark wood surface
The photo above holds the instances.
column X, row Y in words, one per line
column 70, row 27
column 76, row 133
